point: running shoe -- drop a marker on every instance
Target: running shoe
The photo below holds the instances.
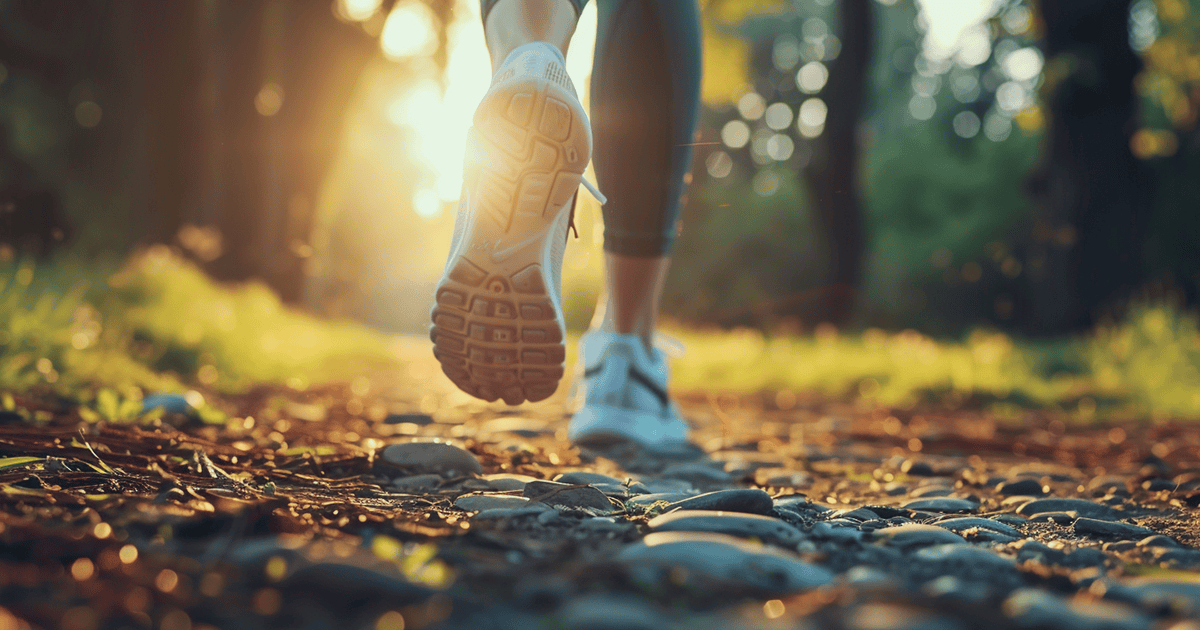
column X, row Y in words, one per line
column 623, row 389
column 498, row 324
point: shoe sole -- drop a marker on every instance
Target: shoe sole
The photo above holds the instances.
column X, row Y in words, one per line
column 497, row 329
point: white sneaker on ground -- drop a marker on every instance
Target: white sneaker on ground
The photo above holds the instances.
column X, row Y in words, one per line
column 498, row 325
column 624, row 395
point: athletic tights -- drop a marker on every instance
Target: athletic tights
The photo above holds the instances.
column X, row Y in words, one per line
column 645, row 95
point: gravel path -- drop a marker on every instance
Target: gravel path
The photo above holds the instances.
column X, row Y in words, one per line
column 389, row 503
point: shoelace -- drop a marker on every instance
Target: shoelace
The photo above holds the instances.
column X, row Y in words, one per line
column 591, row 188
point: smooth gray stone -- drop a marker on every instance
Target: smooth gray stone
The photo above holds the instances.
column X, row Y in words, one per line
column 915, row 535
column 418, row 482
column 646, row 500
column 967, row 522
column 1062, row 518
column 1119, row 546
column 1079, row 506
column 1157, row 540
column 1183, row 558
column 858, row 514
column 752, row 501
column 413, row 418
column 863, row 575
column 656, row 486
column 507, row 482
column 590, row 478
column 485, row 502
column 889, row 616
column 566, row 495
column 1029, row 487
column 612, row 612
column 977, row 558
column 794, row 502
column 1114, row 529
column 942, row 504
column 1036, row 608
column 1157, row 588
column 728, row 559
column 434, row 457
column 1009, row 519
column 1086, row 556
column 535, row 509
column 952, row 587
column 768, row 529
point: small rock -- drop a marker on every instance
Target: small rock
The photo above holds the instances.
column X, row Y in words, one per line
column 752, row 501
column 1114, row 529
column 942, row 504
column 1062, row 518
column 1157, row 540
column 1032, row 608
column 1149, row 589
column 925, row 492
column 535, row 509
column 646, row 500
column 435, row 457
column 1079, row 506
column 862, row 575
column 1028, row 487
column 508, row 482
column 954, row 588
column 768, row 529
column 567, row 495
column 965, row 523
column 420, row 419
column 915, row 535
column 485, row 502
column 582, row 477
column 976, row 558
column 417, row 482
column 731, row 560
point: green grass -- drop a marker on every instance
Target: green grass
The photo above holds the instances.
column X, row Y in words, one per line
column 106, row 333
column 1145, row 367
column 79, row 329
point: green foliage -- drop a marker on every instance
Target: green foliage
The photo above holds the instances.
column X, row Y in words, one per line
column 159, row 324
column 1145, row 367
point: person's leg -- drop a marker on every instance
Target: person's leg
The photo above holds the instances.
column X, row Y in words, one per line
column 508, row 24
column 645, row 106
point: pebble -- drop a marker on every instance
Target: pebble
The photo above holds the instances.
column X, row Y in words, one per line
column 730, row 559
column 863, row 575
column 752, row 501
column 434, row 457
column 1062, row 518
column 925, row 492
column 915, row 535
column 537, row 508
column 1150, row 589
column 1114, row 529
column 485, row 502
column 1040, row 609
column 976, row 558
column 414, row 418
column 889, row 616
column 952, row 587
column 588, row 478
column 1027, row 487
column 1079, row 506
column 646, row 500
column 942, row 504
column 1158, row 540
column 566, row 495
column 768, row 529
column 964, row 523
column 508, row 482
column 417, row 482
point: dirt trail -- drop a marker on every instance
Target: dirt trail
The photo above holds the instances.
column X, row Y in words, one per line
column 800, row 512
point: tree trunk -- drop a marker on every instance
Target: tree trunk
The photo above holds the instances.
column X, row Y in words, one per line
column 1091, row 213
column 832, row 175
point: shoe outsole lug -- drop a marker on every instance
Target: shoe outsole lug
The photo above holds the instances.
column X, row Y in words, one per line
column 496, row 330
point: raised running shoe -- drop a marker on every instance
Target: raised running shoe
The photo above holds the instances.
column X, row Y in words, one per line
column 498, row 325
column 624, row 395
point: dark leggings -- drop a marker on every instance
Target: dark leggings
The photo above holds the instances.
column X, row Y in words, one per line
column 645, row 103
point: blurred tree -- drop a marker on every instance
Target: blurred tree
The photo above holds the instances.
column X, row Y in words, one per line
column 1090, row 189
